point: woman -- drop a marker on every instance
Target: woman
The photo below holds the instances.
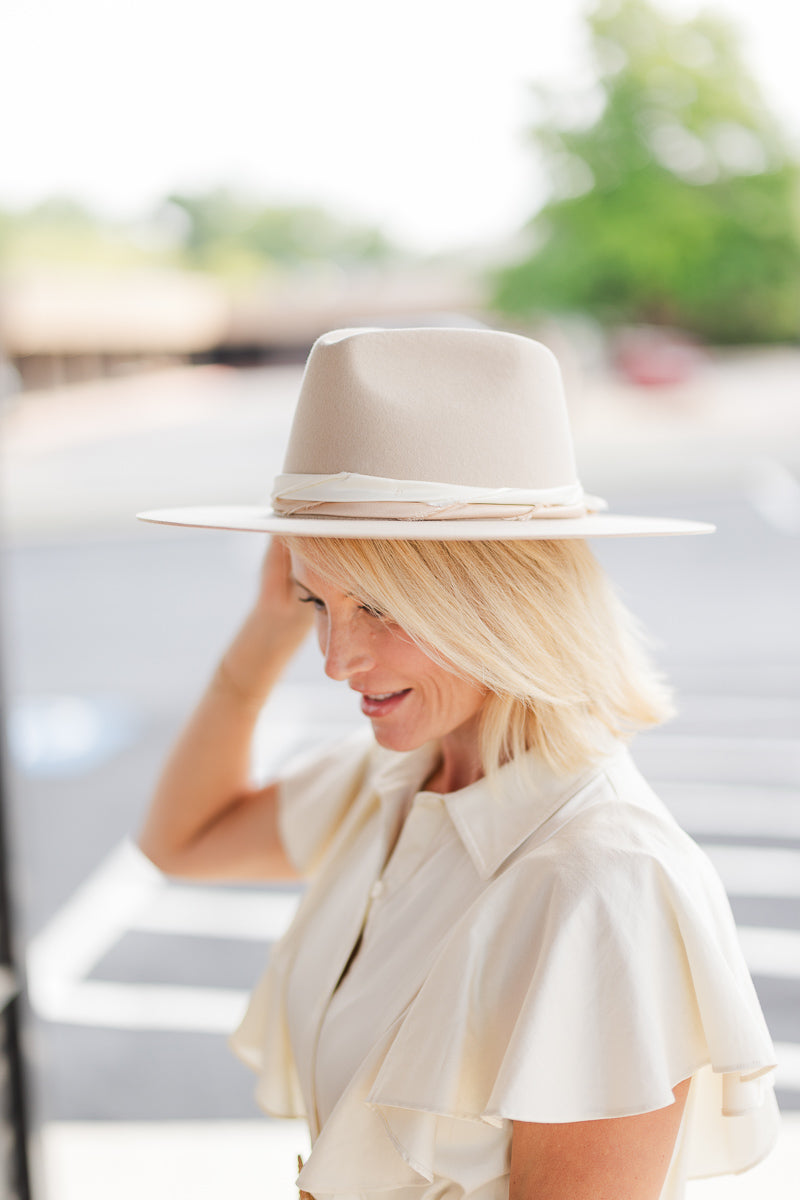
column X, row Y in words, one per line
column 511, row 975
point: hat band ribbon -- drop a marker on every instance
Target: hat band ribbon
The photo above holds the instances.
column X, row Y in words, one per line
column 351, row 495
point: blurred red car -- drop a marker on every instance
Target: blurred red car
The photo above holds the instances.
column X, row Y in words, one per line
column 651, row 356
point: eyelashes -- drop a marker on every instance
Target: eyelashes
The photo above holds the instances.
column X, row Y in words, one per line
column 372, row 612
column 319, row 606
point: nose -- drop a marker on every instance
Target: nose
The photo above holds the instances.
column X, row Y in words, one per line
column 346, row 647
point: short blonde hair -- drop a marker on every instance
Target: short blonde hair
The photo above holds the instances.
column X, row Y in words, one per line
column 537, row 623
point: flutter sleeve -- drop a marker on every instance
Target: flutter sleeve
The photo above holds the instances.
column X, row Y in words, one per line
column 316, row 794
column 587, row 983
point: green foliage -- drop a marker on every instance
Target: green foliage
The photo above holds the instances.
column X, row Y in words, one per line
column 60, row 232
column 215, row 232
column 229, row 235
column 677, row 201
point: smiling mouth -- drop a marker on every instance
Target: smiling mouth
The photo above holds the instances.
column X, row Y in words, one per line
column 383, row 703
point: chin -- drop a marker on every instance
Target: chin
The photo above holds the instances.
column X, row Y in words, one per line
column 394, row 739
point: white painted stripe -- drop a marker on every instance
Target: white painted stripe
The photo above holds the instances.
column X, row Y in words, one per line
column 758, row 761
column 256, row 1160
column 774, row 952
column 145, row 1006
column 723, row 742
column 743, row 810
column 261, row 916
column 774, row 493
column 173, row 1160
column 126, row 892
column 741, row 704
column 788, row 1072
column 757, row 870
column 89, row 924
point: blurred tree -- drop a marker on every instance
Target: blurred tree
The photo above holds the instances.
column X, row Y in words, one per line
column 675, row 201
column 61, row 231
column 215, row 231
column 230, row 235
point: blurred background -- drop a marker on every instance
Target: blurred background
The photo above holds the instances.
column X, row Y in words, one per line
column 189, row 195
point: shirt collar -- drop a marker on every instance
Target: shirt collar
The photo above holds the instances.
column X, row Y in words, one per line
column 398, row 777
column 492, row 817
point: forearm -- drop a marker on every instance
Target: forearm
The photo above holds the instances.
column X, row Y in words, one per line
column 207, row 775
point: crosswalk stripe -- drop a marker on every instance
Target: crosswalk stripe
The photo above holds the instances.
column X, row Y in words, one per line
column 774, row 952
column 126, row 893
column 788, row 1073
column 102, row 1004
column 757, row 870
column 261, row 916
column 758, row 761
column 733, row 809
column 88, row 925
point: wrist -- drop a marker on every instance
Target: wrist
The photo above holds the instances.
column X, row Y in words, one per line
column 245, row 693
column 255, row 660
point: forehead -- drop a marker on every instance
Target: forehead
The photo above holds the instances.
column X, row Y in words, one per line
column 307, row 576
column 301, row 567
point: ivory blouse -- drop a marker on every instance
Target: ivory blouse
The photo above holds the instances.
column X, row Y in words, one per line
column 537, row 949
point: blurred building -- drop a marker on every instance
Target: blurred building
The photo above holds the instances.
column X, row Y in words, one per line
column 65, row 326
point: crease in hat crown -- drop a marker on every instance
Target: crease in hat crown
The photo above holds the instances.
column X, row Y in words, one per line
column 431, row 433
column 436, row 424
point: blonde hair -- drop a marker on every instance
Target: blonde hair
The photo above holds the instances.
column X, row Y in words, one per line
column 536, row 623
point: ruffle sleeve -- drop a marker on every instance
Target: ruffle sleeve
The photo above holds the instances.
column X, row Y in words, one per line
column 316, row 793
column 585, row 983
column 582, row 978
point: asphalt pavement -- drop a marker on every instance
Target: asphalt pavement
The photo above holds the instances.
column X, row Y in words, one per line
column 111, row 628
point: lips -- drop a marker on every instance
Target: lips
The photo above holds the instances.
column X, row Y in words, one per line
column 383, row 703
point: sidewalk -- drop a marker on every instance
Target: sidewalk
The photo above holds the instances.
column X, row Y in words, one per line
column 254, row 1160
column 203, row 1160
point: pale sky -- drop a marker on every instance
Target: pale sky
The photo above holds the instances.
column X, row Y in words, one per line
column 411, row 115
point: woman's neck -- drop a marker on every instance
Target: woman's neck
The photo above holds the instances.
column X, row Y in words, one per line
column 460, row 764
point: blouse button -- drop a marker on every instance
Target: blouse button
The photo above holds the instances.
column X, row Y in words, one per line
column 377, row 889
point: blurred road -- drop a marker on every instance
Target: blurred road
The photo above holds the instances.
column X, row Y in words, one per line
column 112, row 627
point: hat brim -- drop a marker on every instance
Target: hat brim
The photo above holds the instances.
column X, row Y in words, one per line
column 251, row 519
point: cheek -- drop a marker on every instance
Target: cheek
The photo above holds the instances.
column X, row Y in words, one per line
column 467, row 699
column 450, row 692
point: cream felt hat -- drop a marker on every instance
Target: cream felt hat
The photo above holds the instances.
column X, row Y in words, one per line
column 442, row 434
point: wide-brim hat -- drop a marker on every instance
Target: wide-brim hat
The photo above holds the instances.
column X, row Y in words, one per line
column 441, row 434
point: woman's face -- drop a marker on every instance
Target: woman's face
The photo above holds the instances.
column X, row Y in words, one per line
column 409, row 698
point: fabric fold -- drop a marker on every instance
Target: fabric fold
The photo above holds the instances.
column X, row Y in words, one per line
column 592, row 972
column 588, row 1032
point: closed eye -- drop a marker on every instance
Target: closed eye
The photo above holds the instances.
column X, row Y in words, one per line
column 319, row 605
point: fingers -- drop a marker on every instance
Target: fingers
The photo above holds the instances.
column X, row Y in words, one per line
column 278, row 597
column 277, row 566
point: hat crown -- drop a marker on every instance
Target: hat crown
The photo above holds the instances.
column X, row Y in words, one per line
column 458, row 406
column 436, row 434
